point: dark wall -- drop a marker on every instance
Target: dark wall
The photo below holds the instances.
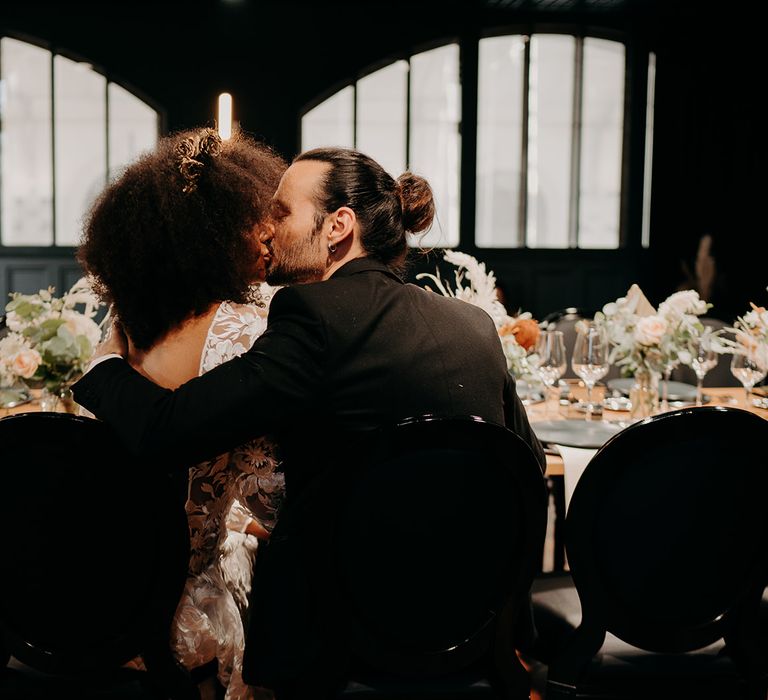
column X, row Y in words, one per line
column 710, row 159
column 277, row 55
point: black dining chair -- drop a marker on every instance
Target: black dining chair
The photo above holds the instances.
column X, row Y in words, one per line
column 432, row 534
column 94, row 549
column 667, row 542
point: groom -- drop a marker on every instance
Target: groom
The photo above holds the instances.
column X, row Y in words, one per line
column 348, row 348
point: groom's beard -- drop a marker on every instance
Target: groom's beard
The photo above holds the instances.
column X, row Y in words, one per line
column 298, row 262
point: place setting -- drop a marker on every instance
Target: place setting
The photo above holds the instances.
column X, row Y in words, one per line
column 589, row 361
column 679, row 394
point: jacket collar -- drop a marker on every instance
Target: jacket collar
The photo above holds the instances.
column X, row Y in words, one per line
column 365, row 264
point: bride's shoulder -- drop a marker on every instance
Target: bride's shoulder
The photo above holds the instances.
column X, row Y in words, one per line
column 258, row 307
column 233, row 329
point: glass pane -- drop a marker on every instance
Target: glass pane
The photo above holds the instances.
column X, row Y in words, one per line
column 133, row 128
column 435, row 141
column 648, row 164
column 331, row 122
column 602, row 126
column 382, row 115
column 25, row 144
column 550, row 124
column 499, row 136
column 80, row 143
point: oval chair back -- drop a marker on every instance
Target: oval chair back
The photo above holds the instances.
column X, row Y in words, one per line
column 438, row 538
column 95, row 549
column 408, row 564
column 667, row 538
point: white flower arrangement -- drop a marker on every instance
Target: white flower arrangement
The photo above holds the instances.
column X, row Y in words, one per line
column 751, row 335
column 49, row 342
column 644, row 338
column 476, row 285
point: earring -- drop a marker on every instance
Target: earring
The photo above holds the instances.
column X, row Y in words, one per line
column 331, row 248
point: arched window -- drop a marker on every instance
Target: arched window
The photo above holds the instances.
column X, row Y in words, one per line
column 406, row 116
column 65, row 129
column 550, row 137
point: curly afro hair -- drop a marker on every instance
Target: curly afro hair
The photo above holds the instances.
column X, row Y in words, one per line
column 178, row 230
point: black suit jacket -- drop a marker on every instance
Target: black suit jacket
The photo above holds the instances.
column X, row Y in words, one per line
column 339, row 358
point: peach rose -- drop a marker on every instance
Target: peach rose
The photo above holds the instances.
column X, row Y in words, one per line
column 650, row 330
column 25, row 363
column 525, row 330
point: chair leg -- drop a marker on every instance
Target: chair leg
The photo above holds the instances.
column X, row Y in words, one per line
column 566, row 670
column 508, row 677
column 558, row 494
column 744, row 644
column 510, row 681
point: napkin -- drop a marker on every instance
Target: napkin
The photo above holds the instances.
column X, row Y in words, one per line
column 642, row 306
column 575, row 460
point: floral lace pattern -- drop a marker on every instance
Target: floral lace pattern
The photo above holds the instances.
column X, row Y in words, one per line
column 230, row 489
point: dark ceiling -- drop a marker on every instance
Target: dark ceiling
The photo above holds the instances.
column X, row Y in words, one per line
column 276, row 55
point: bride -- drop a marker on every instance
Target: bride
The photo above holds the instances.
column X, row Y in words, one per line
column 173, row 246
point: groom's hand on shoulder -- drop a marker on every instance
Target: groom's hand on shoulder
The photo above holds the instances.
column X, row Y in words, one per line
column 113, row 344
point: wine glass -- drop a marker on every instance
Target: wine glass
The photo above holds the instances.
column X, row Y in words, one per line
column 550, row 349
column 703, row 359
column 748, row 370
column 668, row 368
column 590, row 357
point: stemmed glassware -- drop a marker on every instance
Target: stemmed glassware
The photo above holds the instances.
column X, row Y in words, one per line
column 748, row 370
column 590, row 358
column 665, row 384
column 703, row 359
column 550, row 349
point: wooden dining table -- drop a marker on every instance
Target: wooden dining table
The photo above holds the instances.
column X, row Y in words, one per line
column 33, row 405
column 717, row 396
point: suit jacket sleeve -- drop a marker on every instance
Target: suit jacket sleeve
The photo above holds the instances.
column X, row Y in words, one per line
column 516, row 420
column 234, row 402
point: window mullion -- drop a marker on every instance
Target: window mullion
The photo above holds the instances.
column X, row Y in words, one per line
column 578, row 75
column 106, row 131
column 522, row 215
column 53, row 148
column 354, row 114
column 408, row 116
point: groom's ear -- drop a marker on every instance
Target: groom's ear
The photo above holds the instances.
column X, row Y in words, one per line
column 343, row 225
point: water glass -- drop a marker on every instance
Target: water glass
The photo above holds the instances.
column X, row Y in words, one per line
column 590, row 358
column 748, row 370
column 668, row 368
column 552, row 362
column 703, row 359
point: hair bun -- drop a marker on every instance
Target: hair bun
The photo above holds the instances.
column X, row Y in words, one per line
column 417, row 201
column 191, row 152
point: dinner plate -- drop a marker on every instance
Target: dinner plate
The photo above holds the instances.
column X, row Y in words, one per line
column 676, row 391
column 10, row 397
column 617, row 403
column 622, row 403
column 575, row 433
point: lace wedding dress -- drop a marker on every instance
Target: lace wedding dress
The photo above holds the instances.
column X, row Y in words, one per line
column 224, row 493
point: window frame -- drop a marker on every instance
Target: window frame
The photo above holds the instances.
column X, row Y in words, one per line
column 54, row 250
column 632, row 175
